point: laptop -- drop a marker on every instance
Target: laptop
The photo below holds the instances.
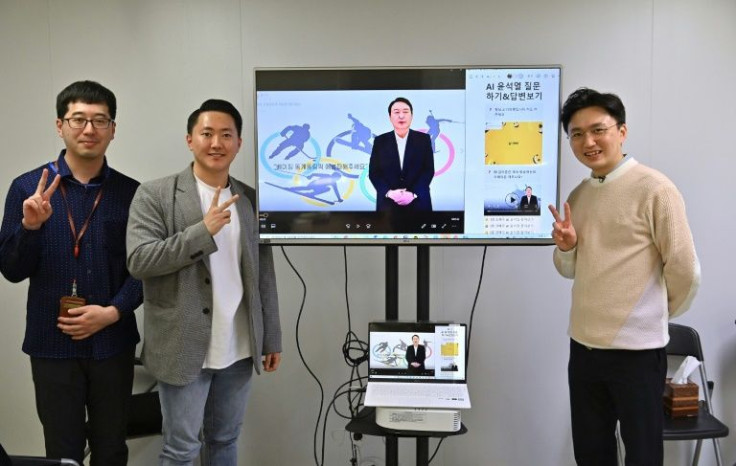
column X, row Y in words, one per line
column 417, row 365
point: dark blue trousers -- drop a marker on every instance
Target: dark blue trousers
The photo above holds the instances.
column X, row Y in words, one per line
column 81, row 399
column 617, row 385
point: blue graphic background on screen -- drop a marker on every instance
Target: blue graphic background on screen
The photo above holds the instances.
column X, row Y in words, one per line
column 314, row 147
column 504, row 195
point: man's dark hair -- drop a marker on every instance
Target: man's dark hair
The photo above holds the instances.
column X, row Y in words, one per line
column 584, row 98
column 88, row 92
column 400, row 99
column 216, row 105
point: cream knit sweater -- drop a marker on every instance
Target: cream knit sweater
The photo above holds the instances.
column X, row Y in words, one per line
column 634, row 266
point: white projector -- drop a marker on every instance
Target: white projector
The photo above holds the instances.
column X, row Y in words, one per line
column 422, row 419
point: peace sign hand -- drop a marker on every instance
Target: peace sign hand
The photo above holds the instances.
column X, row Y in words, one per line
column 37, row 208
column 562, row 230
column 218, row 215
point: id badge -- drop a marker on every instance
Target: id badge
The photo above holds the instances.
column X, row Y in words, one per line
column 70, row 302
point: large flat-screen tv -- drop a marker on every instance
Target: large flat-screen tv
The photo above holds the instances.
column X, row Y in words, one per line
column 492, row 169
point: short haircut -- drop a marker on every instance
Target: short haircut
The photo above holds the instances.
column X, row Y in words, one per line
column 216, row 105
column 88, row 92
column 584, row 98
column 400, row 99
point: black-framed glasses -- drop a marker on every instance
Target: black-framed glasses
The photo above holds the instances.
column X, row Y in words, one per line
column 597, row 132
column 97, row 123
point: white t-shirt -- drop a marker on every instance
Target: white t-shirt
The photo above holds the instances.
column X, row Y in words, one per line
column 230, row 339
column 401, row 145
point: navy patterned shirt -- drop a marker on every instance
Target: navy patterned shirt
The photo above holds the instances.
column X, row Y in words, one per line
column 46, row 258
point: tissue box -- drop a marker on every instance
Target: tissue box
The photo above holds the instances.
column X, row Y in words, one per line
column 681, row 400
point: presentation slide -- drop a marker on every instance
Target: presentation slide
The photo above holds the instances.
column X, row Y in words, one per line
column 316, row 160
column 442, row 354
column 494, row 134
column 507, row 113
column 388, row 350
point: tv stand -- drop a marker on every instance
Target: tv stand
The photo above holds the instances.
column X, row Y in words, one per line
column 365, row 422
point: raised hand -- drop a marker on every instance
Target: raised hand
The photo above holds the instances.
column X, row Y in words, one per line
column 37, row 208
column 563, row 232
column 218, row 215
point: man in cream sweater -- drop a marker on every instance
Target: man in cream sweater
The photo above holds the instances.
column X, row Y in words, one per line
column 625, row 241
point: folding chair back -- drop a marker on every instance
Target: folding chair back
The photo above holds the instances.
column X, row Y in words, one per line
column 685, row 341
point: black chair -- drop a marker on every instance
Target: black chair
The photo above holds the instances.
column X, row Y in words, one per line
column 15, row 460
column 144, row 411
column 36, row 461
column 684, row 341
column 144, row 419
column 144, row 414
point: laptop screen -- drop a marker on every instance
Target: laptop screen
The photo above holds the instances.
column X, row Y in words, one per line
column 417, row 351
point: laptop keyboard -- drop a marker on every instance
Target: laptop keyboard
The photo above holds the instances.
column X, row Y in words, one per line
column 391, row 394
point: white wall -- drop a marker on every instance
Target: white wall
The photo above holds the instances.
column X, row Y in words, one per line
column 672, row 61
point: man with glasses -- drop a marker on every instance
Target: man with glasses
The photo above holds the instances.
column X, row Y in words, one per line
column 625, row 240
column 64, row 230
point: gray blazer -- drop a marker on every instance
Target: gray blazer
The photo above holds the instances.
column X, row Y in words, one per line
column 168, row 248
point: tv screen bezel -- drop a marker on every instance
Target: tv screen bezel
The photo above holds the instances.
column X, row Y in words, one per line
column 399, row 238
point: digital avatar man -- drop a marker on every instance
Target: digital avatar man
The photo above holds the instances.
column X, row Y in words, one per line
column 64, row 230
column 625, row 241
column 211, row 310
column 401, row 166
column 415, row 355
column 528, row 201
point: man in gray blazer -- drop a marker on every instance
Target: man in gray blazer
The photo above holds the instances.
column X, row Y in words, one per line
column 210, row 302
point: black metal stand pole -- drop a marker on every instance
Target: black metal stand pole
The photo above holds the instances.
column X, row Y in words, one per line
column 392, row 313
column 422, row 315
